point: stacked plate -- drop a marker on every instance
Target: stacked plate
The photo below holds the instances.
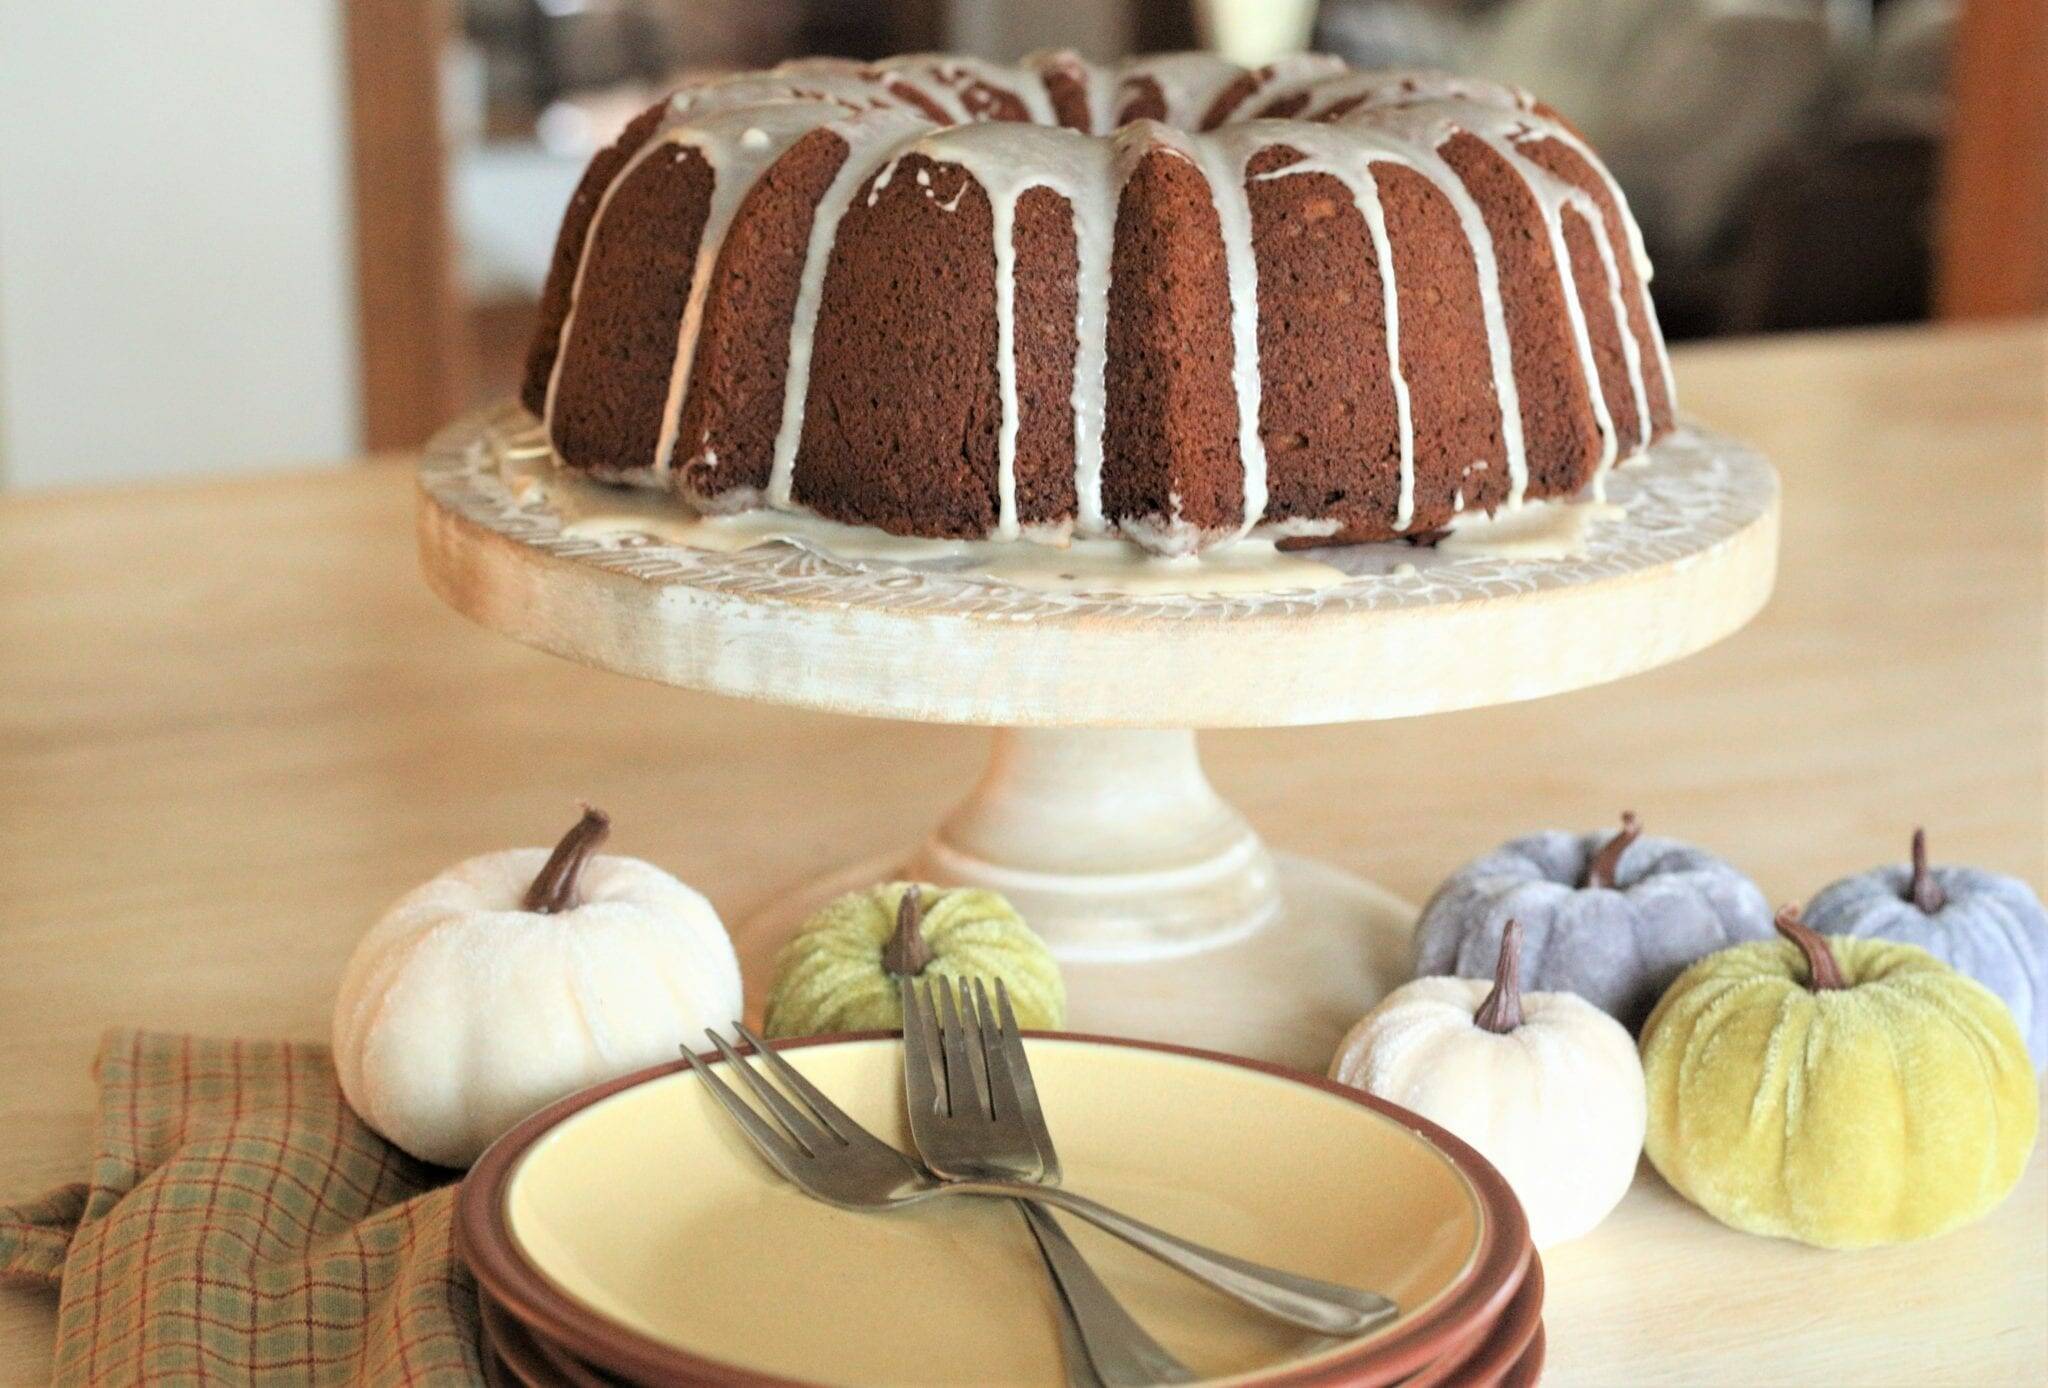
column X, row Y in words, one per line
column 630, row 1235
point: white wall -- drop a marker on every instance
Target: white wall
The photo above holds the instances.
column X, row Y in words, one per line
column 176, row 287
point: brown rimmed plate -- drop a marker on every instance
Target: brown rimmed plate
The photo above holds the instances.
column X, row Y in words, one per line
column 1527, row 1369
column 525, row 1361
column 631, row 1226
column 1500, row 1345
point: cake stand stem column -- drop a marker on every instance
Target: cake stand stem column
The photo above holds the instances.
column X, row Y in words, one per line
column 1112, row 843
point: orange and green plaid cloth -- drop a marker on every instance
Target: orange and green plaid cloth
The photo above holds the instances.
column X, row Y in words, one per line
column 241, row 1224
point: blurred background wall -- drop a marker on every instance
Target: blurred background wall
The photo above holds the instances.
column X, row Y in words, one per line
column 177, row 287
column 241, row 233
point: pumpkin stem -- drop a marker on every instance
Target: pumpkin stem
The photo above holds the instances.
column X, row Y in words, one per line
column 1502, row 1011
column 906, row 952
column 554, row 887
column 1600, row 872
column 1822, row 971
column 1923, row 891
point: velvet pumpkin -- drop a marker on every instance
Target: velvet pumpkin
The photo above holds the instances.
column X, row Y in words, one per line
column 1545, row 1085
column 841, row 971
column 515, row 978
column 1984, row 924
column 1840, row 1092
column 1611, row 917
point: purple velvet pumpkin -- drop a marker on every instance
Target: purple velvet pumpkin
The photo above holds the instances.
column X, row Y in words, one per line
column 1983, row 924
column 1612, row 917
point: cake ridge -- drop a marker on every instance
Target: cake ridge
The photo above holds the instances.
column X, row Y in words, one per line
column 1415, row 149
column 1547, row 189
column 871, row 145
column 1364, row 187
column 1002, row 127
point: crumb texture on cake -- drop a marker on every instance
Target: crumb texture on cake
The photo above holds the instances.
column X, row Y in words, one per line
column 1174, row 300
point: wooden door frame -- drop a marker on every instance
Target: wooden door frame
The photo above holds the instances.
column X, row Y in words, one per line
column 1991, row 249
column 412, row 343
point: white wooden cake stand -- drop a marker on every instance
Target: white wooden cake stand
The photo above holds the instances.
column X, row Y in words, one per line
column 1171, row 917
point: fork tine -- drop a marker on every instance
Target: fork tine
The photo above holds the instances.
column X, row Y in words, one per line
column 771, row 1144
column 822, row 1109
column 806, row 1133
column 973, row 1024
column 924, row 1073
column 1025, row 1090
column 963, row 1081
column 1001, row 1094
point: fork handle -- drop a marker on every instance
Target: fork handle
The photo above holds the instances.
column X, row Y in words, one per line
column 1121, row 1352
column 1304, row 1301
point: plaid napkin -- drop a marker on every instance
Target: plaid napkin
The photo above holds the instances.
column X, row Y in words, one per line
column 242, row 1224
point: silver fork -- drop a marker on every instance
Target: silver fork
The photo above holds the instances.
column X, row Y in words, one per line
column 834, row 1159
column 953, row 1144
column 1080, row 1345
column 993, row 1124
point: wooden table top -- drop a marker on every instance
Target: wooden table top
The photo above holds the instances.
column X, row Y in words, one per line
column 234, row 725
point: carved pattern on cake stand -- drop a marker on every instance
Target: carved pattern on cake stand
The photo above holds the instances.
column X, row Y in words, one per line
column 1172, row 918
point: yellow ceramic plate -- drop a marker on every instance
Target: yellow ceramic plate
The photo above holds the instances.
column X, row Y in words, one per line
column 634, row 1225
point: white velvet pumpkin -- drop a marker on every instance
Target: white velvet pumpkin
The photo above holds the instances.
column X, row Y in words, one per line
column 1545, row 1085
column 471, row 1005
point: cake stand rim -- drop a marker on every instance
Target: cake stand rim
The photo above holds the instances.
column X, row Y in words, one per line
column 600, row 608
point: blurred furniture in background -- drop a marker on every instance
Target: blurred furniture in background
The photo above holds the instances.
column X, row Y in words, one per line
column 539, row 86
column 237, row 232
column 1783, row 156
column 1786, row 157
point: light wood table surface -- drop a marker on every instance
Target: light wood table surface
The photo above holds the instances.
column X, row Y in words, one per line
column 234, row 725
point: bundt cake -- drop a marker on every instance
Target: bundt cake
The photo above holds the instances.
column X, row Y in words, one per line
column 1174, row 300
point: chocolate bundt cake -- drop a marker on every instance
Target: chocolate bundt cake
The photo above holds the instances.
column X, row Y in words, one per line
column 1174, row 300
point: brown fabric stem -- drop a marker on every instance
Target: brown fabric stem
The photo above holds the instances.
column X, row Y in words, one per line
column 1823, row 973
column 554, row 887
column 1600, row 872
column 906, row 952
column 1502, row 1011
column 1923, row 891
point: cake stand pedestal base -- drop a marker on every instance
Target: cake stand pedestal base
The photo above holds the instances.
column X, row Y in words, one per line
column 1171, row 920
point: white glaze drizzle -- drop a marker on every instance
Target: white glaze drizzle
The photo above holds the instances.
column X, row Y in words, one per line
column 1552, row 195
column 1222, row 155
column 1286, row 76
column 1098, row 85
column 1639, row 259
column 1366, row 193
column 1412, row 136
column 827, row 88
column 1105, row 98
column 1406, row 88
column 1353, row 168
column 1188, row 82
column 1008, row 160
column 739, row 145
column 742, row 125
column 952, row 74
column 1003, row 233
column 604, row 203
column 1631, row 354
column 872, row 143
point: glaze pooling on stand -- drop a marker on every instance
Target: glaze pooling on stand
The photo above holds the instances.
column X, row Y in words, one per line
column 1693, row 496
column 1013, row 131
column 614, row 515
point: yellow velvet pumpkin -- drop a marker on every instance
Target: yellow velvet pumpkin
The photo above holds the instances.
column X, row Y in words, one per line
column 1842, row 1092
